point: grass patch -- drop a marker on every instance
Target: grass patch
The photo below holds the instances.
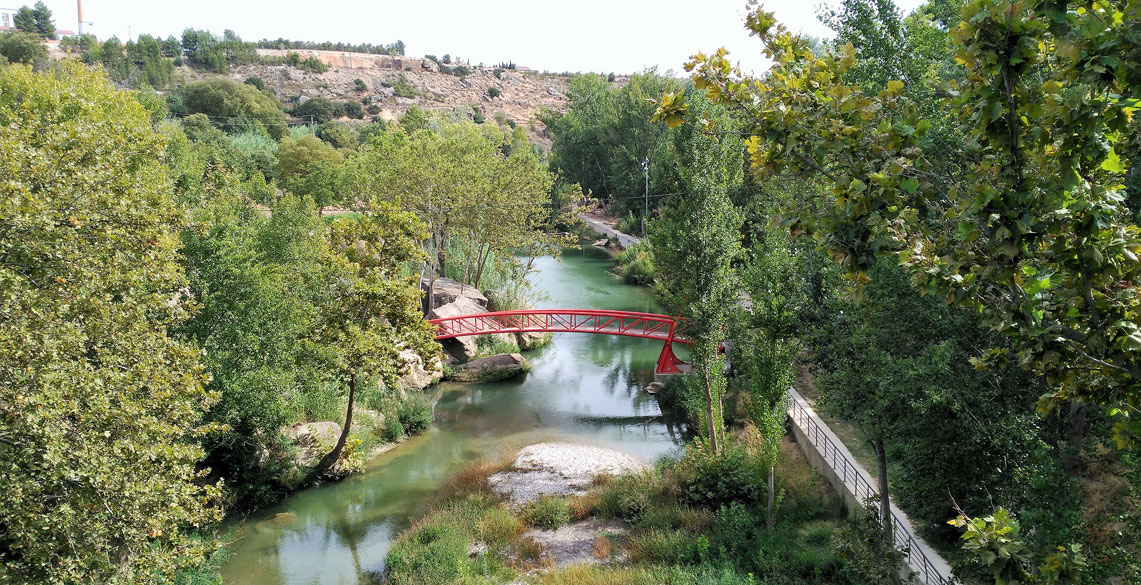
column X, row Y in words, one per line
column 548, row 512
column 673, row 536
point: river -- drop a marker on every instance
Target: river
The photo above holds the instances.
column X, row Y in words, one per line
column 582, row 387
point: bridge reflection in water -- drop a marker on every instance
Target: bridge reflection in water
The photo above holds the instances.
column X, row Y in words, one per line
column 627, row 323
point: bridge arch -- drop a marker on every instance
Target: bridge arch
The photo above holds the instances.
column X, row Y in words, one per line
column 598, row 321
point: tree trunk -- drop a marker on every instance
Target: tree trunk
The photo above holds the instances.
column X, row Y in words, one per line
column 885, row 499
column 1076, row 425
column 770, row 520
column 713, row 439
column 326, row 463
column 485, row 254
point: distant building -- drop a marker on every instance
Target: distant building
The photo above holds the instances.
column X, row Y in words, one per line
column 7, row 18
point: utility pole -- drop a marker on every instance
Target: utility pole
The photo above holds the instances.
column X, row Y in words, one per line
column 79, row 9
column 646, row 207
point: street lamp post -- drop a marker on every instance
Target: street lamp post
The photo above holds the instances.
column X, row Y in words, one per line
column 646, row 206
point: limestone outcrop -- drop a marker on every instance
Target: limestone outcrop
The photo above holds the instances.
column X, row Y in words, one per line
column 491, row 369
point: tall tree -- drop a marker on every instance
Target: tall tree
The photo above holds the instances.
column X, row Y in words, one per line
column 36, row 20
column 1033, row 233
column 99, row 406
column 461, row 185
column 765, row 345
column 696, row 242
column 371, row 312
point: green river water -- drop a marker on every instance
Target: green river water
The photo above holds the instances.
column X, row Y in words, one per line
column 582, row 387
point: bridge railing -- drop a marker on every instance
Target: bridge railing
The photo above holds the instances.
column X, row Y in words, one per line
column 628, row 323
column 863, row 489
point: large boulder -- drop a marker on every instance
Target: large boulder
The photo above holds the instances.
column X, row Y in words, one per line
column 312, row 441
column 419, row 376
column 461, row 348
column 491, row 369
column 446, row 291
column 529, row 340
column 430, row 65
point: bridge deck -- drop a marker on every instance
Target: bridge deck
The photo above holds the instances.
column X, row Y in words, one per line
column 627, row 323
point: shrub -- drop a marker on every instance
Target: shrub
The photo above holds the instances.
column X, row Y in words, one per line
column 641, row 270
column 352, row 109
column 627, row 497
column 373, row 109
column 498, row 73
column 493, row 92
column 415, row 414
column 610, row 78
column 337, row 135
column 547, row 512
column 319, row 109
column 359, row 84
column 630, row 224
column 312, row 64
column 255, row 81
column 238, row 105
column 499, row 527
column 435, row 552
column 23, row 47
column 393, row 430
column 711, row 481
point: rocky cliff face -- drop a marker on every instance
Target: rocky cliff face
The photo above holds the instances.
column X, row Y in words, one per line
column 520, row 94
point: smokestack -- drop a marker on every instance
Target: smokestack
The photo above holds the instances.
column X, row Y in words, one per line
column 79, row 8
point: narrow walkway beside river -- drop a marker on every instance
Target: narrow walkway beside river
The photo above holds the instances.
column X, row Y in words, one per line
column 832, row 459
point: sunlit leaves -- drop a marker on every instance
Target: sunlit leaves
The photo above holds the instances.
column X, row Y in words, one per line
column 99, row 406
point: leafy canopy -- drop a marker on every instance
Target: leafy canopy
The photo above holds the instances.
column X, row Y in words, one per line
column 99, row 406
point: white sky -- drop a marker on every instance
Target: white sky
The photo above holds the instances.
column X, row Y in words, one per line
column 582, row 35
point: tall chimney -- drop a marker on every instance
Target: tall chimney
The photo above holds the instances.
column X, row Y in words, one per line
column 79, row 7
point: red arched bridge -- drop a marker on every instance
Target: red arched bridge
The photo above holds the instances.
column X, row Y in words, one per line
column 630, row 324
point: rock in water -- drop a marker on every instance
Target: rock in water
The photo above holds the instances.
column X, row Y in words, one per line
column 491, row 369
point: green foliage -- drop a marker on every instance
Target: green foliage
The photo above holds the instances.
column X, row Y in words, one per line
column 434, row 553
column 710, row 480
column 636, row 263
column 997, row 541
column 393, row 429
column 318, row 109
column 404, row 89
column 631, row 224
column 547, row 512
column 359, row 84
column 205, row 49
column 414, row 119
column 867, row 545
column 23, row 47
column 396, row 48
column 234, row 106
column 1031, row 232
column 352, row 109
column 467, row 192
column 415, row 414
column 606, row 134
column 255, row 81
column 99, row 405
column 337, row 135
column 493, row 92
column 695, row 244
column 36, row 20
column 252, row 274
column 309, row 166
